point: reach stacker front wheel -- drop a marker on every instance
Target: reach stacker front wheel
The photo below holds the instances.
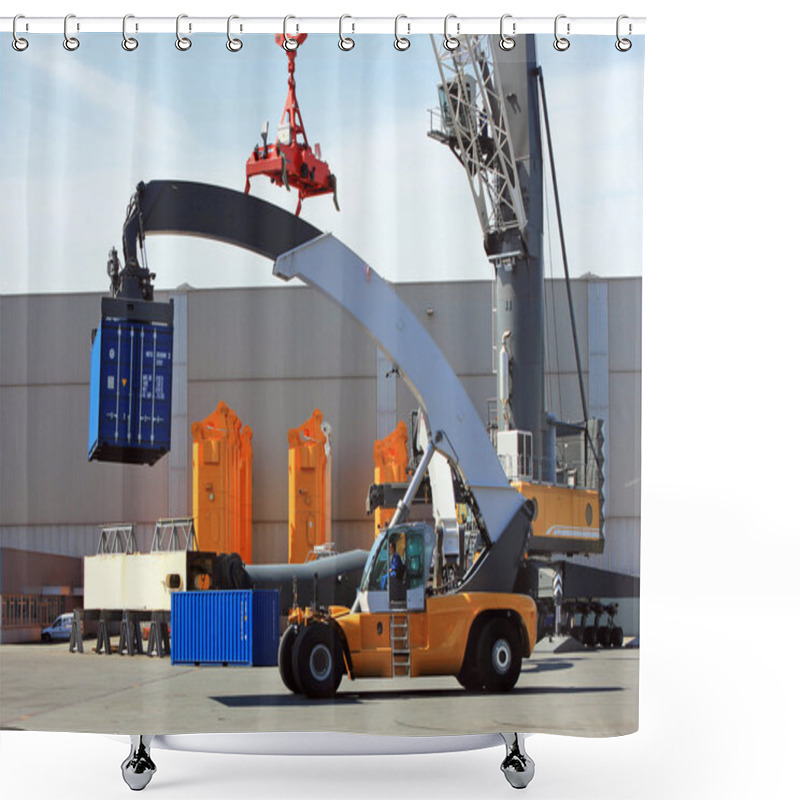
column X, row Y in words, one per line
column 317, row 660
column 285, row 659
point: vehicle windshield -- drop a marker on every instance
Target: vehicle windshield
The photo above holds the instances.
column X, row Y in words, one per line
column 412, row 551
column 376, row 561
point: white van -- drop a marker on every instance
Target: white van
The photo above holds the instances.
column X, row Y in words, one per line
column 59, row 630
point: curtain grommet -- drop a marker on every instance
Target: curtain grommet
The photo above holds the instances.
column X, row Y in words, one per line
column 507, row 42
column 183, row 43
column 623, row 45
column 450, row 42
column 18, row 42
column 345, row 42
column 129, row 43
column 233, row 44
column 561, row 43
column 71, row 43
column 290, row 44
column 400, row 42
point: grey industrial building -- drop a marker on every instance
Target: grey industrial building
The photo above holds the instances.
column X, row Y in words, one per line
column 274, row 355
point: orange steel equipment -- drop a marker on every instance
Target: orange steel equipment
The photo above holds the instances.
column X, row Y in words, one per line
column 290, row 161
column 222, row 484
column 391, row 466
column 309, row 489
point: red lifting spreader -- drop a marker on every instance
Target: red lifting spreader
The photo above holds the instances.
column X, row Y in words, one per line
column 290, row 160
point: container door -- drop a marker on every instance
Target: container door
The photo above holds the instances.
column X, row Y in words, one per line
column 117, row 374
column 154, row 348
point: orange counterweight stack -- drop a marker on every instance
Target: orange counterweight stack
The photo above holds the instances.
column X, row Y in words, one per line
column 222, row 484
column 309, row 488
column 391, row 465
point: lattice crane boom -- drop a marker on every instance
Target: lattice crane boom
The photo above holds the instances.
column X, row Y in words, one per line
column 475, row 125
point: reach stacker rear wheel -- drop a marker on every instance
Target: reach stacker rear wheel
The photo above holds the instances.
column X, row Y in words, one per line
column 499, row 655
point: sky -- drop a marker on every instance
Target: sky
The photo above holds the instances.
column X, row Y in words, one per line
column 80, row 130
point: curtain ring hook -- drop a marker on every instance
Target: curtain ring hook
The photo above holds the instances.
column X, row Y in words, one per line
column 181, row 42
column 18, row 43
column 128, row 42
column 345, row 42
column 288, row 42
column 623, row 45
column 70, row 42
column 561, row 43
column 233, row 44
column 400, row 42
column 507, row 42
column 450, row 42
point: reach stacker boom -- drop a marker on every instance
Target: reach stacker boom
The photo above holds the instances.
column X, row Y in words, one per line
column 404, row 621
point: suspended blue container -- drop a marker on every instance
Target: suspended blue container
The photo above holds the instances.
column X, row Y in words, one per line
column 130, row 405
column 227, row 627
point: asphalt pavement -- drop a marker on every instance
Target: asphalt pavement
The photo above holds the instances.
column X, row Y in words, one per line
column 561, row 689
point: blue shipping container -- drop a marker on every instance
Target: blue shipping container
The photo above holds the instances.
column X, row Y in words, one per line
column 226, row 627
column 130, row 404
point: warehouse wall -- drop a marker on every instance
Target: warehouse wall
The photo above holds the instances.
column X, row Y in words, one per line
column 274, row 355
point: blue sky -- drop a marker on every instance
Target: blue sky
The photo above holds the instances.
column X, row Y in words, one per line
column 79, row 130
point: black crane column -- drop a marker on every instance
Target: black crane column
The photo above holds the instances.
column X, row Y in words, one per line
column 519, row 270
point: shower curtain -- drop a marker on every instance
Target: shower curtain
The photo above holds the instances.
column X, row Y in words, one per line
column 437, row 262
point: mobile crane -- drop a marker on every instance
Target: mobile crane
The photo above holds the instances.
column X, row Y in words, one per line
column 491, row 106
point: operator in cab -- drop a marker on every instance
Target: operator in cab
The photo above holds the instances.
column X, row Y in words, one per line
column 396, row 566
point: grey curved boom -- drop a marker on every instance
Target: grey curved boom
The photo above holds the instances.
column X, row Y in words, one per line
column 341, row 275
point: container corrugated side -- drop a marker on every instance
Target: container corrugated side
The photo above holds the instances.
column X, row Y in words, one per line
column 267, row 616
column 130, row 403
column 225, row 627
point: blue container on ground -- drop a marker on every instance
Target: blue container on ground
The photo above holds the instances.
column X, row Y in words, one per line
column 226, row 627
column 130, row 404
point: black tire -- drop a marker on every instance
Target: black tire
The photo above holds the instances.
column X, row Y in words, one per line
column 604, row 637
column 469, row 678
column 285, row 659
column 616, row 636
column 237, row 575
column 317, row 661
column 46, row 638
column 499, row 655
column 219, row 572
column 589, row 637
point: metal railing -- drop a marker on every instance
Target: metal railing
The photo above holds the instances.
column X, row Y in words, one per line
column 24, row 610
column 118, row 538
column 525, row 468
column 174, row 534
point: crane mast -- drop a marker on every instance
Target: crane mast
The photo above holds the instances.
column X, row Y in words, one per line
column 490, row 120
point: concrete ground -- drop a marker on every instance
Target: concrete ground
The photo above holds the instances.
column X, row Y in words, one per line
column 562, row 689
